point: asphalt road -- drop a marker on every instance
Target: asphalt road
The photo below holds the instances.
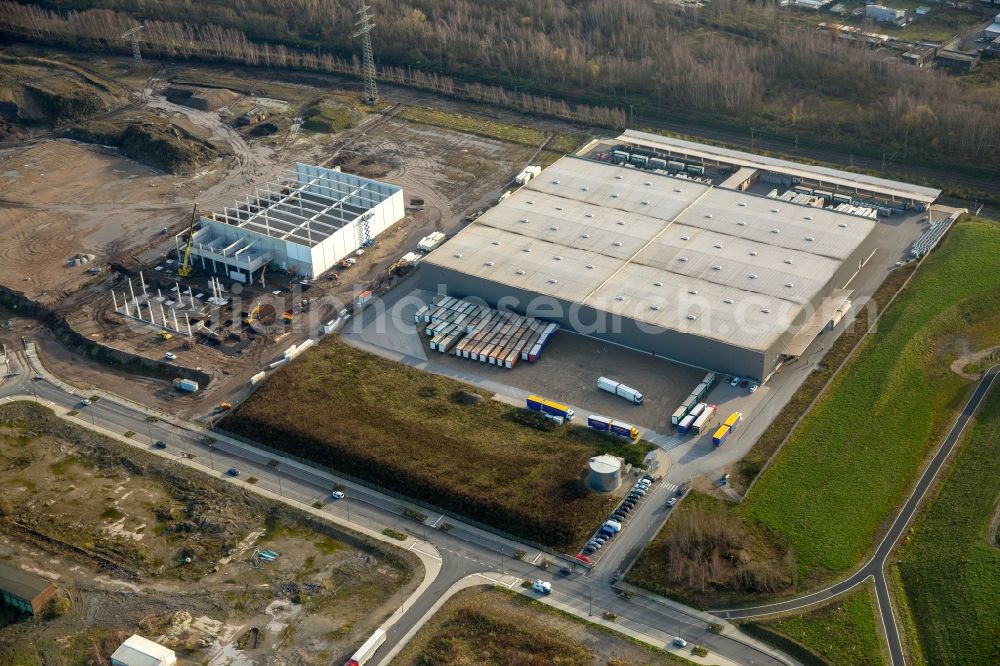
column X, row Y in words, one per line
column 463, row 549
column 875, row 567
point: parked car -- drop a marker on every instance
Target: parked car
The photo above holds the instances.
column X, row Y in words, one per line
column 170, row 356
column 600, row 539
column 159, row 444
column 565, row 571
column 681, row 490
column 589, row 550
column 679, row 642
column 595, row 545
column 232, row 471
column 724, row 480
column 337, row 494
column 744, row 383
column 544, row 587
column 735, row 382
column 583, row 558
column 644, row 484
column 754, row 387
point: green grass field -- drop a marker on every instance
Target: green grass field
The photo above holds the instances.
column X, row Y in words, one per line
column 415, row 433
column 855, row 455
column 460, row 122
column 845, row 633
column 949, row 570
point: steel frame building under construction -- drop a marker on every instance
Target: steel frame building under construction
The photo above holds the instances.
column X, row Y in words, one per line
column 305, row 222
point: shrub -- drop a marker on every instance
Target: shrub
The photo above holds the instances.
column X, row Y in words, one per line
column 414, row 515
column 394, row 534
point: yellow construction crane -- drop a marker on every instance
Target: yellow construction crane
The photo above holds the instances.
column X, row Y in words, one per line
column 185, row 267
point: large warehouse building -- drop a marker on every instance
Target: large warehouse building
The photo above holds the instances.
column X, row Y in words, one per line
column 304, row 222
column 712, row 277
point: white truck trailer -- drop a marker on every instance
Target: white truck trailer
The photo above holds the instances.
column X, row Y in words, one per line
column 619, row 389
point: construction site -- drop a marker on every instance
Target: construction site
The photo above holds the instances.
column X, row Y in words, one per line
column 322, row 221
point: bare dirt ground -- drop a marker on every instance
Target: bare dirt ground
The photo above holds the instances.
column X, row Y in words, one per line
column 60, row 198
column 114, row 530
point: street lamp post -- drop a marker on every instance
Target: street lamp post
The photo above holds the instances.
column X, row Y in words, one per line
column 274, row 464
column 211, row 458
column 91, row 407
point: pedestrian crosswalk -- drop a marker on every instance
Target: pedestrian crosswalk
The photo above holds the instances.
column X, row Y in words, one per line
column 670, row 487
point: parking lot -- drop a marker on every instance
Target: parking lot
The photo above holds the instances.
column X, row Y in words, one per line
column 567, row 372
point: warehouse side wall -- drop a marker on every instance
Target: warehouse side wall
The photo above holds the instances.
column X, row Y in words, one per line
column 681, row 347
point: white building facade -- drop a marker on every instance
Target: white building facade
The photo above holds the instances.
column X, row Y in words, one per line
column 304, row 223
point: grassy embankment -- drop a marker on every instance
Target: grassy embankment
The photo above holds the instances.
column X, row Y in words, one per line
column 845, row 633
column 413, row 432
column 491, row 129
column 854, row 456
column 765, row 446
column 495, row 626
column 948, row 567
column 850, row 462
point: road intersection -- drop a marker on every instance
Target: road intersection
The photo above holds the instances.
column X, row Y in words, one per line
column 460, row 551
column 463, row 552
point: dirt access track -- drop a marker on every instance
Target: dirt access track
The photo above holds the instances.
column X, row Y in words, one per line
column 62, row 198
column 138, row 544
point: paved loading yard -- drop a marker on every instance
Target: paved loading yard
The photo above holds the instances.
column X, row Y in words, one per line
column 567, row 371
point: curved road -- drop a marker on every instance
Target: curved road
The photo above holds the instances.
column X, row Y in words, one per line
column 463, row 549
column 874, row 568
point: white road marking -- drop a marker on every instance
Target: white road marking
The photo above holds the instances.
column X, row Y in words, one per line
column 413, row 547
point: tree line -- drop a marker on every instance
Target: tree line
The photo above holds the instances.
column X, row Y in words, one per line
column 733, row 62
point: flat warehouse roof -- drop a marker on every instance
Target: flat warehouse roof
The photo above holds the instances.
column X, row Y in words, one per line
column 307, row 205
column 21, row 583
column 726, row 265
column 845, row 179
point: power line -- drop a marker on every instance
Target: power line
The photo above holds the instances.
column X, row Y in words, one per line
column 136, row 56
column 365, row 24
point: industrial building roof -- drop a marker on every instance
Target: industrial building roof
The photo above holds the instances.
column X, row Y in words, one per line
column 846, row 179
column 139, row 651
column 307, row 205
column 21, row 583
column 672, row 253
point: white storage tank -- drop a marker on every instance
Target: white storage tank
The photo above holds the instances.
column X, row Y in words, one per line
column 604, row 473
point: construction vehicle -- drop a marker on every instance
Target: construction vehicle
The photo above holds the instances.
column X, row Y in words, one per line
column 288, row 316
column 405, row 264
column 253, row 315
column 166, row 335
column 222, row 407
column 185, row 268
